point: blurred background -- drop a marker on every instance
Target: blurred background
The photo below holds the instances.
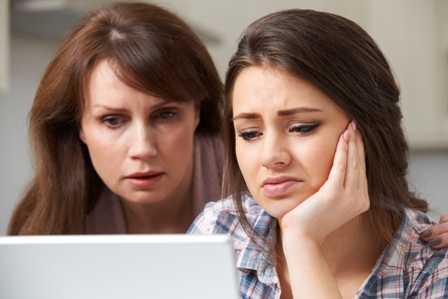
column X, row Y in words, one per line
column 412, row 33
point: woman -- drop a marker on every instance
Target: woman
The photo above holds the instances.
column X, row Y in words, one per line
column 124, row 128
column 313, row 214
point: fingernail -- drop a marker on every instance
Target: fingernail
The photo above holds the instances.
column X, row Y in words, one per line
column 425, row 234
column 346, row 135
column 435, row 241
column 354, row 125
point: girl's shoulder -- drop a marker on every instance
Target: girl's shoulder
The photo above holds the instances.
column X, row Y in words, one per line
column 227, row 205
column 222, row 217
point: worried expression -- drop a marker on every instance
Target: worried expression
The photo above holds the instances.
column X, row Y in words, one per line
column 286, row 135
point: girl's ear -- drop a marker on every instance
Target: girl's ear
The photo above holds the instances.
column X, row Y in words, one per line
column 197, row 115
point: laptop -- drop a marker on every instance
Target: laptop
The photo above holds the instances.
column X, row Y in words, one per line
column 118, row 266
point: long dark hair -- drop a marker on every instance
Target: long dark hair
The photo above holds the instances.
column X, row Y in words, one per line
column 340, row 59
column 151, row 50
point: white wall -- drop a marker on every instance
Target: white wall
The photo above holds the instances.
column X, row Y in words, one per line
column 4, row 45
column 28, row 61
column 428, row 174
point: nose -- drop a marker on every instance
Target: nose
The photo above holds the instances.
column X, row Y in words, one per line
column 274, row 152
column 142, row 144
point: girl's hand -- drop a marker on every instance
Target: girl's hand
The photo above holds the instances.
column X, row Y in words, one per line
column 304, row 229
column 343, row 196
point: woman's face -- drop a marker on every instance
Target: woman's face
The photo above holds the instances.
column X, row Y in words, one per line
column 286, row 135
column 140, row 145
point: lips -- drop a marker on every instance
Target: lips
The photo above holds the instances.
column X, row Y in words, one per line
column 279, row 185
column 144, row 179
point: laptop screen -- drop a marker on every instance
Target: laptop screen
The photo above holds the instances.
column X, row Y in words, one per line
column 118, row 266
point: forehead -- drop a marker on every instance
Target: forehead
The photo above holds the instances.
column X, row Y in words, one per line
column 104, row 83
column 103, row 73
column 272, row 90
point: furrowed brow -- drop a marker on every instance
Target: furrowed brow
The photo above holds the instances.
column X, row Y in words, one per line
column 290, row 112
column 246, row 116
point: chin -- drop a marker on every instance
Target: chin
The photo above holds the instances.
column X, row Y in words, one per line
column 143, row 198
column 280, row 208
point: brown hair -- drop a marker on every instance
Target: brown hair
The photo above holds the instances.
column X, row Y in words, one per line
column 151, row 50
column 339, row 58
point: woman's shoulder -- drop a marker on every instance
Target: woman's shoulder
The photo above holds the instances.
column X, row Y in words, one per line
column 420, row 255
column 412, row 224
column 408, row 244
column 410, row 263
column 207, row 170
column 214, row 141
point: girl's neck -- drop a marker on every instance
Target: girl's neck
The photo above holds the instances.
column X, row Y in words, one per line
column 352, row 246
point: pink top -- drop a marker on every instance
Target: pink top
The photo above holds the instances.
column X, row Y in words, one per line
column 107, row 217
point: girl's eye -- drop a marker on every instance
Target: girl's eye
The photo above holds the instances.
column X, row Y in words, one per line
column 303, row 129
column 249, row 135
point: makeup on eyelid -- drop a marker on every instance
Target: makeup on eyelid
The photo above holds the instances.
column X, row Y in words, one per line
column 302, row 129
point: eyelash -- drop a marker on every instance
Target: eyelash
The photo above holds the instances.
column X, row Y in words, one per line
column 108, row 119
column 247, row 135
column 162, row 116
column 302, row 130
column 114, row 122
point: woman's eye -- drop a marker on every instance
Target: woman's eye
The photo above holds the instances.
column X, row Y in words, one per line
column 303, row 129
column 249, row 135
column 112, row 121
column 165, row 115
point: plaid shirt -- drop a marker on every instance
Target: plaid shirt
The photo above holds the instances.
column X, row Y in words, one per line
column 408, row 268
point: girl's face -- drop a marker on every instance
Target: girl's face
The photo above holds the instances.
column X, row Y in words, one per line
column 286, row 135
column 140, row 145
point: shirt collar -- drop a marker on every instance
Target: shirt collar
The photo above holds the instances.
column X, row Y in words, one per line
column 251, row 257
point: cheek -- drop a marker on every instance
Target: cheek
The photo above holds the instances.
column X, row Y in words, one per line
column 106, row 160
column 98, row 141
column 179, row 136
column 248, row 161
column 321, row 160
column 103, row 151
column 175, row 146
column 240, row 157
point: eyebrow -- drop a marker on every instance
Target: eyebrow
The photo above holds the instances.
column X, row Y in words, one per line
column 121, row 110
column 163, row 103
column 287, row 112
column 297, row 110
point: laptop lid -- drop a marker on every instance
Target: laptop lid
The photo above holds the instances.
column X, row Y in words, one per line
column 118, row 266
